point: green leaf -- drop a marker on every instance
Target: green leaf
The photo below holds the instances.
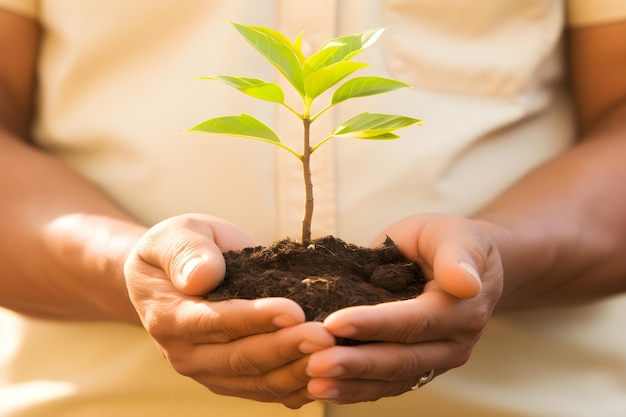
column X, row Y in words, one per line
column 350, row 45
column 278, row 50
column 384, row 136
column 244, row 126
column 319, row 59
column 321, row 80
column 365, row 86
column 373, row 126
column 297, row 44
column 253, row 87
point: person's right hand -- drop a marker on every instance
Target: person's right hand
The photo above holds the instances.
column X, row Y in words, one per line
column 256, row 349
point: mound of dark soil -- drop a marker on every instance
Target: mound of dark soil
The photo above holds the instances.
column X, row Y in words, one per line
column 326, row 276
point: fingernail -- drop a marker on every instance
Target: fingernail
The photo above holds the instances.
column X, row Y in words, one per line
column 469, row 268
column 333, row 372
column 188, row 268
column 330, row 394
column 309, row 346
column 284, row 320
column 339, row 329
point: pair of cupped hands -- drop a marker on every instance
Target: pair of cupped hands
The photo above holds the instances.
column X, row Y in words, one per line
column 265, row 350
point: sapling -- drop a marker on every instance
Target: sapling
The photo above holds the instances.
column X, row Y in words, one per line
column 310, row 77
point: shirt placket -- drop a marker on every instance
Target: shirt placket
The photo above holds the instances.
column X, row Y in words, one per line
column 317, row 20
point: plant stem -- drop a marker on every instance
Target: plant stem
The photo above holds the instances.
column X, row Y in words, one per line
column 319, row 113
column 308, row 183
column 320, row 143
column 288, row 107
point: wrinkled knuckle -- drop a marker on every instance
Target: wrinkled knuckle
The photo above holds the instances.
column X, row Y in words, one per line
column 406, row 366
column 219, row 330
column 408, row 331
column 218, row 336
column 420, row 327
column 365, row 368
column 407, row 334
column 241, row 364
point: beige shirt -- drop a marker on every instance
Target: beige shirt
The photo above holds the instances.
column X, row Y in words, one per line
column 117, row 89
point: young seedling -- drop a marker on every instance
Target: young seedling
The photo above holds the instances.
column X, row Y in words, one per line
column 310, row 77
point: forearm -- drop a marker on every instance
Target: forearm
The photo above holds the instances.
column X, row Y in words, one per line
column 561, row 231
column 63, row 243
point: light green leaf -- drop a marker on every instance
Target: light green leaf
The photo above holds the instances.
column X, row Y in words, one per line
column 297, row 44
column 365, row 86
column 278, row 50
column 244, row 126
column 384, row 136
column 350, row 45
column 319, row 59
column 373, row 126
column 321, row 80
column 253, row 87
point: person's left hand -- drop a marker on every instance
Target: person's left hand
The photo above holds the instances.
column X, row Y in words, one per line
column 434, row 331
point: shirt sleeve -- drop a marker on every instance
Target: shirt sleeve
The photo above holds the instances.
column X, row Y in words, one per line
column 28, row 8
column 595, row 12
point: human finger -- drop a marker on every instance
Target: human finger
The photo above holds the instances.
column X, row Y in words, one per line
column 190, row 320
column 386, row 361
column 285, row 385
column 256, row 355
column 433, row 315
column 189, row 249
column 450, row 249
column 373, row 371
column 357, row 390
column 264, row 367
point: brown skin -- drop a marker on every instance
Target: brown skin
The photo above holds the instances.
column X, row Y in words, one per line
column 576, row 239
column 32, row 211
column 64, row 257
column 89, row 260
column 557, row 237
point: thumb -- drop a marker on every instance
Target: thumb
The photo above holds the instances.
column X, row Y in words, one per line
column 200, row 270
column 199, row 267
column 188, row 249
column 459, row 259
column 449, row 246
column 457, row 275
